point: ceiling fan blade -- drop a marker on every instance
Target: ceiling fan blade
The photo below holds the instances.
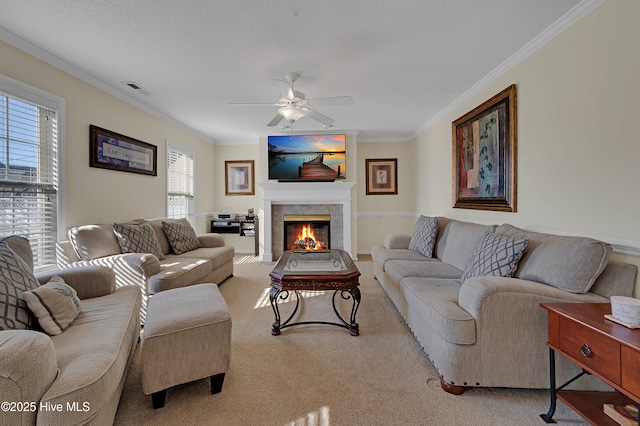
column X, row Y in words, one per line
column 332, row 100
column 276, row 120
column 285, row 88
column 254, row 103
column 320, row 118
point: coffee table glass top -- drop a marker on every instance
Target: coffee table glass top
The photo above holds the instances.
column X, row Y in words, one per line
column 315, row 261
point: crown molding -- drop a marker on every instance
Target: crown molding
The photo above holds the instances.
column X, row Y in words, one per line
column 56, row 62
column 567, row 20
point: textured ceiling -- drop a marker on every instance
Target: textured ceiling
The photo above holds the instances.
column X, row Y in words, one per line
column 402, row 61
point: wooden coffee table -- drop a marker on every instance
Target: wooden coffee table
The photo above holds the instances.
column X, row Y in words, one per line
column 315, row 271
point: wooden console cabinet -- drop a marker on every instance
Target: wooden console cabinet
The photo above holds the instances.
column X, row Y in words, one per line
column 603, row 348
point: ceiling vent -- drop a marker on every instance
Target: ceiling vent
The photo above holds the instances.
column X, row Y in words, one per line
column 135, row 86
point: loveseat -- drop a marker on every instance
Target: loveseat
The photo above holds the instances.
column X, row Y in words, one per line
column 155, row 255
column 477, row 315
column 74, row 376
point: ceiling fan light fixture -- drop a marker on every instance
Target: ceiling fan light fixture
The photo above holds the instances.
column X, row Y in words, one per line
column 292, row 113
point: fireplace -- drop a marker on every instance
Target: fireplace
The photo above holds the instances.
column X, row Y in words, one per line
column 307, row 232
column 308, row 198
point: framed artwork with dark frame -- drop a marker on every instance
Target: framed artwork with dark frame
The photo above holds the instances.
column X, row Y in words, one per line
column 381, row 176
column 111, row 150
column 484, row 155
column 238, row 177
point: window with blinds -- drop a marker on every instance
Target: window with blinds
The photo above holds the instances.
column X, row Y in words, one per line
column 180, row 172
column 29, row 176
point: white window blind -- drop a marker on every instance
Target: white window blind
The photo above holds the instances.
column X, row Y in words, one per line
column 29, row 175
column 180, row 187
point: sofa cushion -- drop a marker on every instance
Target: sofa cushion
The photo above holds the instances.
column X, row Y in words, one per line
column 617, row 279
column 178, row 271
column 15, row 278
column 496, row 255
column 435, row 300
column 93, row 355
column 216, row 255
column 54, row 304
column 22, row 247
column 162, row 237
column 181, row 235
column 396, row 270
column 94, row 241
column 458, row 242
column 137, row 238
column 569, row 263
column 424, row 236
column 382, row 255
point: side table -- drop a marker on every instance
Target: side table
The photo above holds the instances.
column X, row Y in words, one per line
column 609, row 351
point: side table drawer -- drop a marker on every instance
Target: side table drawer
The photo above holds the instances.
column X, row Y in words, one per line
column 631, row 371
column 595, row 350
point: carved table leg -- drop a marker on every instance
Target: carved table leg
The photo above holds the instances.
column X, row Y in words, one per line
column 273, row 298
column 354, row 328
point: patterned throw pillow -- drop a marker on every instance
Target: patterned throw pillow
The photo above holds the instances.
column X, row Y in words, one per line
column 15, row 278
column 181, row 236
column 138, row 238
column 424, row 236
column 496, row 255
column 54, row 304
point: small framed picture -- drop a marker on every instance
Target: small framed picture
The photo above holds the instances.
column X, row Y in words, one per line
column 238, row 177
column 382, row 176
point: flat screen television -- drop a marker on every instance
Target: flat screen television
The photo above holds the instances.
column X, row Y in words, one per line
column 318, row 158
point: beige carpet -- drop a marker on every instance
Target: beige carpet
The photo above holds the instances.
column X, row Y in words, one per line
column 319, row 375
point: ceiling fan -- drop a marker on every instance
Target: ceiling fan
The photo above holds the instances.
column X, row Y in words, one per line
column 293, row 105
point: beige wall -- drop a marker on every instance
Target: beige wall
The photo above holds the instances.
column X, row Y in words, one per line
column 578, row 148
column 239, row 203
column 379, row 215
column 98, row 195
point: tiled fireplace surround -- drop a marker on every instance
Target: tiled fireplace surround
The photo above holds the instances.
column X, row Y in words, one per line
column 332, row 198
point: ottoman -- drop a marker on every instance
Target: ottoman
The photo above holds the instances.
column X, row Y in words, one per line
column 187, row 337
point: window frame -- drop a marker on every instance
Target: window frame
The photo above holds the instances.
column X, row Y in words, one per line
column 16, row 89
column 172, row 146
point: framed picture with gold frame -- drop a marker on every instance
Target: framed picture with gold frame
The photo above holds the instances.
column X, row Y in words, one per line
column 239, row 177
column 382, row 176
column 484, row 155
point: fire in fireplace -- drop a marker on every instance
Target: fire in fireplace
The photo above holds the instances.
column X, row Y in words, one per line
column 307, row 232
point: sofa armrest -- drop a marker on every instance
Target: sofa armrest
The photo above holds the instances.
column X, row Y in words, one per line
column 130, row 268
column 511, row 330
column 88, row 281
column 475, row 292
column 28, row 367
column 397, row 241
column 211, row 239
column 65, row 254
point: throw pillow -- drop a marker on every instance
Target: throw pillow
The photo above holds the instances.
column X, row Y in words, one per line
column 424, row 236
column 496, row 255
column 181, row 235
column 15, row 278
column 138, row 238
column 55, row 305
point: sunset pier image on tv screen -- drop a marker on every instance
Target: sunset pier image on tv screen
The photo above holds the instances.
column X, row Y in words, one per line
column 307, row 157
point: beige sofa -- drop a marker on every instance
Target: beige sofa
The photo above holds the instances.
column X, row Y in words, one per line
column 98, row 245
column 75, row 377
column 490, row 330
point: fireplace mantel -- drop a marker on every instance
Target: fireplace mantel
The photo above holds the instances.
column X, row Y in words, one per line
column 305, row 193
